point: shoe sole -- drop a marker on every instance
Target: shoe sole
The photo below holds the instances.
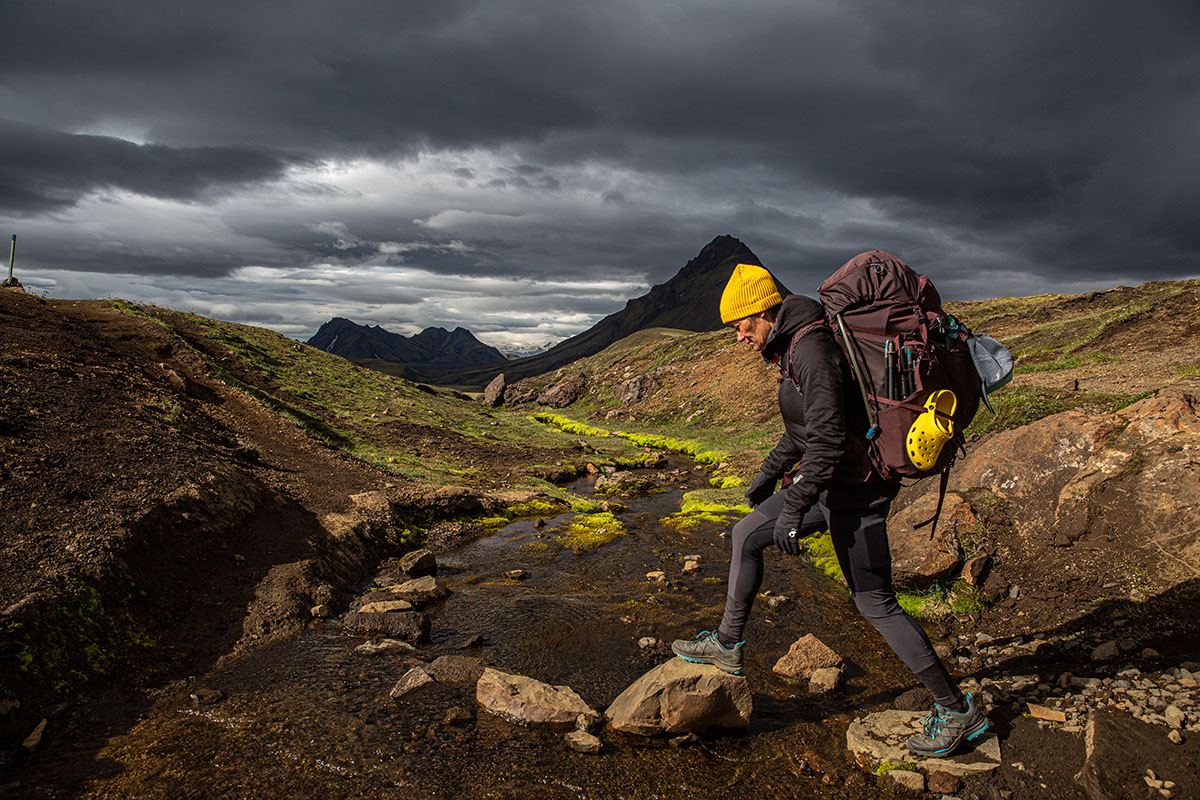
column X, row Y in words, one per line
column 957, row 743
column 722, row 667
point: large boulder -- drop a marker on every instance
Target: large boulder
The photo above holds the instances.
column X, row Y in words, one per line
column 806, row 655
column 493, row 395
column 883, row 737
column 678, row 696
column 457, row 670
column 417, row 563
column 564, row 392
column 525, row 700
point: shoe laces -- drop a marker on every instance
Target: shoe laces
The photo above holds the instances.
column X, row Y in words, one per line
column 704, row 636
column 931, row 723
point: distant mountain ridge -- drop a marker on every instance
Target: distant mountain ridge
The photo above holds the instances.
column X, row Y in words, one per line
column 432, row 348
column 688, row 301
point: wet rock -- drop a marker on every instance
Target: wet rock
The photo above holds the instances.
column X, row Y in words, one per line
column 35, row 738
column 410, row 682
column 471, row 642
column 825, row 680
column 776, row 602
column 940, row 782
column 457, row 670
column 457, row 716
column 420, row 590
column 521, row 699
column 1106, row 652
column 647, row 642
column 635, row 389
column 683, row 741
column 383, row 606
column 408, row 626
column 564, row 392
column 591, row 722
column 206, row 697
column 681, row 697
column 516, row 574
column 690, row 567
column 657, row 575
column 917, row 560
column 320, row 612
column 910, row 782
column 883, row 736
column 806, row 655
column 582, row 742
column 493, row 395
column 384, row 646
column 418, row 563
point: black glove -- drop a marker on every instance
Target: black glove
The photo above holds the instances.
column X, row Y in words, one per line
column 760, row 489
column 787, row 530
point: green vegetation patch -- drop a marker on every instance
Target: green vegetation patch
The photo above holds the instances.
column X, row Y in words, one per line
column 1020, row 405
column 819, row 548
column 726, row 481
column 588, row 531
column 73, row 640
column 1066, row 362
column 651, row 440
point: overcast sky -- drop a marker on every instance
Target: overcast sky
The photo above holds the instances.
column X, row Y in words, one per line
column 523, row 167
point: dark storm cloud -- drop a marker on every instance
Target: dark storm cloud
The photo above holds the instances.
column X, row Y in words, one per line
column 1054, row 141
column 44, row 169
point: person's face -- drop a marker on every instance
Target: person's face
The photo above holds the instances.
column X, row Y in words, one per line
column 753, row 329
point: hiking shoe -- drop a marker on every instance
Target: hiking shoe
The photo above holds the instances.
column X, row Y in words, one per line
column 943, row 731
column 706, row 648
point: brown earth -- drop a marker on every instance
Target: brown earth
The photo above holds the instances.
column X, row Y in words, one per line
column 156, row 516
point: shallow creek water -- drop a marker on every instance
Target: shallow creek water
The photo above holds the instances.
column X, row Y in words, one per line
column 312, row 718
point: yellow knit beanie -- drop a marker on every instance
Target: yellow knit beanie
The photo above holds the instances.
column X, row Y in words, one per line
column 749, row 291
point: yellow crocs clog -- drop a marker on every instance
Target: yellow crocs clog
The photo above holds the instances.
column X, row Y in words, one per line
column 930, row 431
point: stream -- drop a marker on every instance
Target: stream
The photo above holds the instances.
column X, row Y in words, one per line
column 311, row 717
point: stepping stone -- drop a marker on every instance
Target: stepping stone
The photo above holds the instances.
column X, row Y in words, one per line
column 883, row 736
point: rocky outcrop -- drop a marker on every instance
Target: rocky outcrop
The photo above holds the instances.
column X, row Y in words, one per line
column 806, row 655
column 635, row 389
column 528, row 701
column 418, row 563
column 563, row 392
column 1108, row 773
column 681, row 697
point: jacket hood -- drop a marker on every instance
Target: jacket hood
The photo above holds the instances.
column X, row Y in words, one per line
column 796, row 312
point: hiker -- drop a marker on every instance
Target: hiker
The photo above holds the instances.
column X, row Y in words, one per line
column 835, row 489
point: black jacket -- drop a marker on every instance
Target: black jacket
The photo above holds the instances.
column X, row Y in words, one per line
column 823, row 415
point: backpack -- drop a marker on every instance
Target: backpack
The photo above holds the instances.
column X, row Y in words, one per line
column 904, row 350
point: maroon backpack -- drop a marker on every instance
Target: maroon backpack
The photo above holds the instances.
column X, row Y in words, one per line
column 902, row 346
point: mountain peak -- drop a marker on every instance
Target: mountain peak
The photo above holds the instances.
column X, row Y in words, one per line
column 432, row 348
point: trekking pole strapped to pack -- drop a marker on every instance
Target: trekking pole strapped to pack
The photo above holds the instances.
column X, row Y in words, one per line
column 903, row 348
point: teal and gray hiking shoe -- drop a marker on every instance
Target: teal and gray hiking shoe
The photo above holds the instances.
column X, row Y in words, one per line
column 943, row 731
column 706, row 648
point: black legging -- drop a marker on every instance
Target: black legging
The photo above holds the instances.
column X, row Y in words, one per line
column 861, row 545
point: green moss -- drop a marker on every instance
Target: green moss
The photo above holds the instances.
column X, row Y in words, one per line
column 536, row 508
column 629, row 486
column 695, row 520
column 589, row 531
column 651, row 440
column 726, row 481
column 819, row 548
column 890, row 766
column 74, row 640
